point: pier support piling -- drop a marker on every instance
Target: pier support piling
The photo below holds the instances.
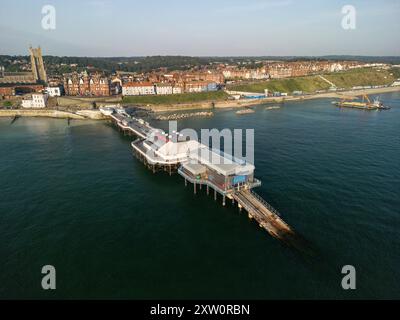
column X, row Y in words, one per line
column 215, row 194
column 223, row 200
column 194, row 188
column 208, row 190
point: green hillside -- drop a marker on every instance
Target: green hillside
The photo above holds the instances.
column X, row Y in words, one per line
column 306, row 84
column 310, row 84
column 361, row 77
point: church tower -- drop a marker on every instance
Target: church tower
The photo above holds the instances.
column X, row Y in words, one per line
column 38, row 71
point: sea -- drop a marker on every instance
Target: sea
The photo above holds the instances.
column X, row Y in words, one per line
column 73, row 196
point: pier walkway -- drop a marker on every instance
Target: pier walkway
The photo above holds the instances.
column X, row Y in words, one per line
column 266, row 216
column 135, row 126
column 270, row 220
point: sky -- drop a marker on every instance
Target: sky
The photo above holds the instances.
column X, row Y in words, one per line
column 201, row 28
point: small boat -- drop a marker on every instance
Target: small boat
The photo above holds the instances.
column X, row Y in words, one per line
column 272, row 108
column 245, row 111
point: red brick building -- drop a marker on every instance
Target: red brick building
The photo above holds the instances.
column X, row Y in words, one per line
column 7, row 91
column 12, row 90
column 85, row 85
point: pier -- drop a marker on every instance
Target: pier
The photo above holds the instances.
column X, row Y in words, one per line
column 131, row 126
column 220, row 174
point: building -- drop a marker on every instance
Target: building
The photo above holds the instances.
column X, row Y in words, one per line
column 99, row 86
column 208, row 76
column 138, row 89
column 37, row 100
column 212, row 86
column 13, row 83
column 7, row 91
column 234, row 73
column 85, row 85
column 396, row 83
column 116, row 86
column 200, row 86
column 164, row 88
column 53, row 91
column 195, row 86
column 38, row 70
column 71, row 86
column 178, row 88
column 278, row 71
column 13, row 78
column 197, row 161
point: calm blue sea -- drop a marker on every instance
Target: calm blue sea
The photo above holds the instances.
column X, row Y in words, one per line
column 76, row 198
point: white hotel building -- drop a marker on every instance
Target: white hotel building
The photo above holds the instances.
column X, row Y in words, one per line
column 53, row 91
column 38, row 100
column 163, row 88
column 138, row 89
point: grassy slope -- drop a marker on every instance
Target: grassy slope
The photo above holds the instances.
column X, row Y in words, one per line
column 309, row 84
column 396, row 73
column 7, row 104
column 306, row 84
column 361, row 77
column 177, row 98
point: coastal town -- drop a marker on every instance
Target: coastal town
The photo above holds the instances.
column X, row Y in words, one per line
column 31, row 87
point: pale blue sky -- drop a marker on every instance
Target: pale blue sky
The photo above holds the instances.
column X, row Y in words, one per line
column 206, row 27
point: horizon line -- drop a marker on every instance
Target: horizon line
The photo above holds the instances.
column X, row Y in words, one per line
column 215, row 56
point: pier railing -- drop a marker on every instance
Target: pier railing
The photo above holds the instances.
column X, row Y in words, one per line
column 265, row 203
column 193, row 179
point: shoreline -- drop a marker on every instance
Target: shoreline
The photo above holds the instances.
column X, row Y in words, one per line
column 53, row 113
column 278, row 100
column 86, row 114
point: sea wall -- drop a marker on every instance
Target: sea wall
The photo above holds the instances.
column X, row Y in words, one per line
column 81, row 114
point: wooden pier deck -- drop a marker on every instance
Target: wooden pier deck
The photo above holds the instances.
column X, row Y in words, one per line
column 269, row 219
